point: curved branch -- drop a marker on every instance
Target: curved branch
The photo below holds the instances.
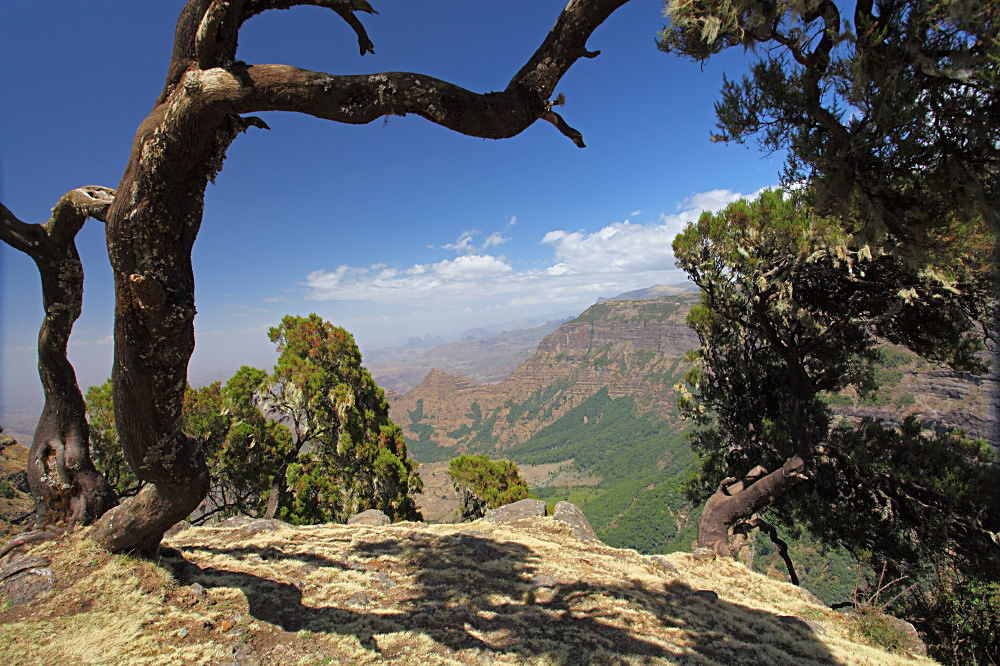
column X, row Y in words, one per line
column 772, row 533
column 560, row 124
column 361, row 99
column 344, row 8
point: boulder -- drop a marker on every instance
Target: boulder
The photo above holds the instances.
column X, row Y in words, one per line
column 542, row 580
column 810, row 597
column 911, row 638
column 573, row 516
column 176, row 529
column 805, row 625
column 661, row 562
column 250, row 526
column 372, row 517
column 526, row 508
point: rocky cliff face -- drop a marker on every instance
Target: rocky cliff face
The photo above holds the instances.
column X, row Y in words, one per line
column 637, row 348
column 634, row 348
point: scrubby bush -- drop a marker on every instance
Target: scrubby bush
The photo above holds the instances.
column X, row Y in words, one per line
column 485, row 484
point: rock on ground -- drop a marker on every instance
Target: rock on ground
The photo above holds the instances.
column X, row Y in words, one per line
column 572, row 515
column 372, row 517
column 526, row 508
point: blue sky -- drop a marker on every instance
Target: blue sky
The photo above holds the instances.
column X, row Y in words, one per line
column 394, row 229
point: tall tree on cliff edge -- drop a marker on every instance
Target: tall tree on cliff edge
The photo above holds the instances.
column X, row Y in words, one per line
column 154, row 218
column 345, row 454
column 789, row 313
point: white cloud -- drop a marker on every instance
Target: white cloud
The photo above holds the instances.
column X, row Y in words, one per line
column 584, row 265
column 463, row 243
column 494, row 239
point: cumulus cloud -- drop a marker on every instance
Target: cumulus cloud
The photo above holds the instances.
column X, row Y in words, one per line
column 584, row 265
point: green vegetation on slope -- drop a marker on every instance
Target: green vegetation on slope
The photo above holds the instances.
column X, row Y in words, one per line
column 659, row 309
column 642, row 461
column 423, row 448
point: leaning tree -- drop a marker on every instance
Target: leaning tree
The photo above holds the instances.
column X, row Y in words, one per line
column 154, row 217
column 790, row 313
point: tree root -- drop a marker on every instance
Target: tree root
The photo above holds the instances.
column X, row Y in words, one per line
column 34, row 536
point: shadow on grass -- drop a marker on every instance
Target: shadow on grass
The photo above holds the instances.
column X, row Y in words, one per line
column 467, row 592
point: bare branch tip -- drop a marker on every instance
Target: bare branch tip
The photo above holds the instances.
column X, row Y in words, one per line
column 557, row 121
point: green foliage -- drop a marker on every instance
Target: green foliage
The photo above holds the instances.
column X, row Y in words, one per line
column 958, row 618
column 485, row 484
column 244, row 461
column 105, row 447
column 913, row 496
column 346, row 454
column 886, row 109
column 341, row 455
column 7, row 491
column 790, row 311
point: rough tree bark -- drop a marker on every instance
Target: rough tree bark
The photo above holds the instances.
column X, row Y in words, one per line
column 181, row 146
column 64, row 482
column 737, row 500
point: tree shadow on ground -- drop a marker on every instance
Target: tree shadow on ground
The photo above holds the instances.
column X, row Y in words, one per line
column 469, row 592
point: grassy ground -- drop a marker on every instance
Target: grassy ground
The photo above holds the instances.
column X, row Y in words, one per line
column 479, row 593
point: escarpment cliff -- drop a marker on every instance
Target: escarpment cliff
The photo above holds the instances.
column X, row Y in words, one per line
column 636, row 349
column 630, row 348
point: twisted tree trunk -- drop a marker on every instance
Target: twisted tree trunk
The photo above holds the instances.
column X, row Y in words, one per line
column 66, row 486
column 181, row 146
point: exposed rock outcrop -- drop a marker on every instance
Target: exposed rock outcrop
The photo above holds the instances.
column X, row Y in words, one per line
column 508, row 513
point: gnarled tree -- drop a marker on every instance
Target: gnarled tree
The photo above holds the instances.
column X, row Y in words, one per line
column 66, row 486
column 180, row 147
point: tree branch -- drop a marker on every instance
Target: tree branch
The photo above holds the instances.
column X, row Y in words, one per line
column 344, row 8
column 220, row 15
column 361, row 99
column 772, row 533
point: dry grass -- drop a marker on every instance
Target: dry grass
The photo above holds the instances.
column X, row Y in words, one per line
column 526, row 593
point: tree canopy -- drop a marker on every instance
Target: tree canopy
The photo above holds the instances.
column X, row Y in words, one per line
column 346, row 454
column 889, row 111
column 484, row 484
column 310, row 443
column 790, row 313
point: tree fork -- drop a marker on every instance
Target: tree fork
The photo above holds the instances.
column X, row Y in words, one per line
column 66, row 486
